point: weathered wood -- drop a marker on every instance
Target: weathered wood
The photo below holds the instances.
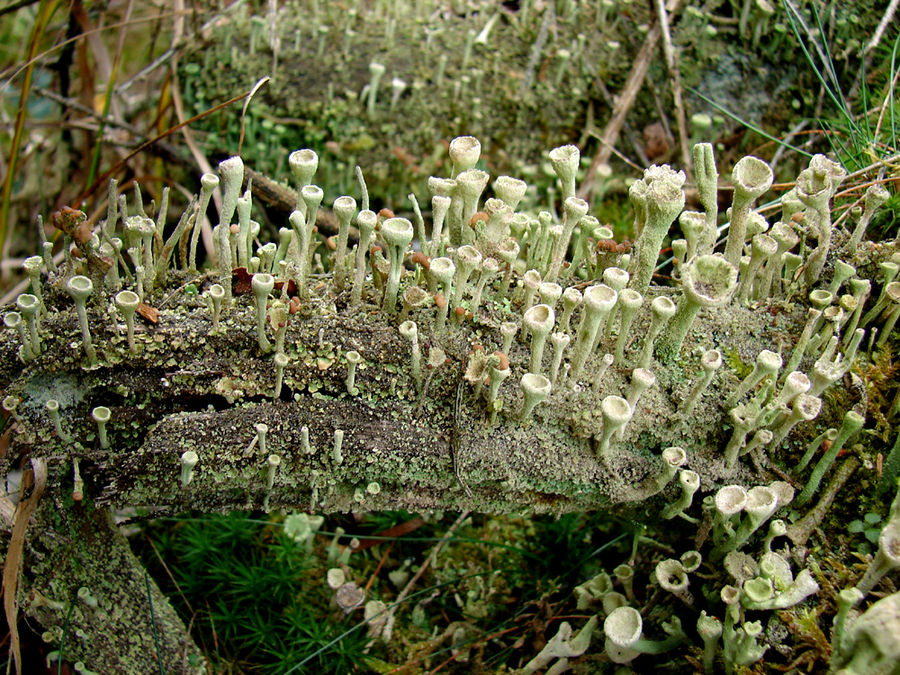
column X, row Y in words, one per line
column 189, row 388
column 94, row 599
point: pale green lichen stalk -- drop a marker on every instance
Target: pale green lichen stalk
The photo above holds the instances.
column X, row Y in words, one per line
column 538, row 321
column 708, row 282
column 598, row 303
column 752, row 178
column 29, row 307
column 397, row 233
column 661, row 199
column 101, row 415
column 80, row 288
column 262, row 285
column 127, row 302
column 189, row 460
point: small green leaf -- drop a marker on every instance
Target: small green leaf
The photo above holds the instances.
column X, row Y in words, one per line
column 872, row 535
column 856, row 526
column 872, row 518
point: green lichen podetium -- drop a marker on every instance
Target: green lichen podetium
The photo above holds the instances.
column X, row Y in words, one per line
column 184, row 387
column 496, row 90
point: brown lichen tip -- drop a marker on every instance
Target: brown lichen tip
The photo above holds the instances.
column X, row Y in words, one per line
column 419, row 258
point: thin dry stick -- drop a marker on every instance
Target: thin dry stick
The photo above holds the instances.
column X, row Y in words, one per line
column 626, row 99
column 876, row 38
column 23, row 67
column 23, row 285
column 874, row 165
column 473, row 643
column 882, row 26
column 618, row 153
column 389, row 621
column 885, row 105
column 170, row 575
column 380, row 565
column 45, row 13
column 629, row 132
column 142, row 74
column 549, row 15
column 110, row 104
column 102, row 59
column 259, row 83
column 16, row 6
column 800, row 531
column 166, row 151
column 797, row 16
column 199, row 157
column 165, row 134
column 109, row 120
column 856, row 188
column 669, row 52
column 795, row 130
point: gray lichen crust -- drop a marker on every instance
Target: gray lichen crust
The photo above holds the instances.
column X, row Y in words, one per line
column 94, row 599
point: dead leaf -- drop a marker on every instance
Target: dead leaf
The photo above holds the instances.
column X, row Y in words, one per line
column 14, row 553
column 656, row 144
column 241, row 283
column 148, row 313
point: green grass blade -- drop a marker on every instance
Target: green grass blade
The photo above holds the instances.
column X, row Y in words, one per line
column 415, row 594
column 795, row 22
column 62, row 641
column 162, row 670
column 828, row 62
column 45, row 13
column 864, row 95
column 834, row 136
column 747, row 124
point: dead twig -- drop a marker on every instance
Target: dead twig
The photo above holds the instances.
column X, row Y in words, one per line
column 389, row 620
column 675, row 73
column 629, row 132
column 625, row 100
column 166, row 151
column 800, row 531
column 102, row 180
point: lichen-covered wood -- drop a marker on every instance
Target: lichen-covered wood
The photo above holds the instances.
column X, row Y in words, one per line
column 431, row 418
